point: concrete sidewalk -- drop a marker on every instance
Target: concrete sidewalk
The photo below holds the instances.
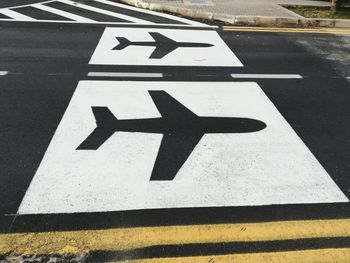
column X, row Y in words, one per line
column 243, row 12
column 241, row 8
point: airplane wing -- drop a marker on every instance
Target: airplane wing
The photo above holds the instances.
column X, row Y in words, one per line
column 169, row 107
column 175, row 148
column 173, row 153
column 164, row 47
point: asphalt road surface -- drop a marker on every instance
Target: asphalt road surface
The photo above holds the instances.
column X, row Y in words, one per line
column 128, row 134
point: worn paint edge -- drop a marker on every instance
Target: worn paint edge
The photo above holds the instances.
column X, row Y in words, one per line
column 138, row 237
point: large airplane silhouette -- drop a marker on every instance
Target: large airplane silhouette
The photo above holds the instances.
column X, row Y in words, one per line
column 163, row 45
column 181, row 129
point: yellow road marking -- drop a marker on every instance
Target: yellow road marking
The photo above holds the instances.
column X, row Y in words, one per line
column 289, row 30
column 139, row 237
column 339, row 255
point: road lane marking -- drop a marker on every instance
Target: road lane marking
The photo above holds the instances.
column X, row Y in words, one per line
column 64, row 14
column 120, row 239
column 266, row 76
column 288, row 30
column 3, row 73
column 125, row 74
column 106, row 12
column 329, row 255
column 16, row 15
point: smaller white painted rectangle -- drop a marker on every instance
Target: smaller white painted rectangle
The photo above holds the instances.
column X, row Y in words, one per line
column 135, row 46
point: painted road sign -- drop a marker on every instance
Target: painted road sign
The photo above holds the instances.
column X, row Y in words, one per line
column 268, row 166
column 160, row 47
column 182, row 130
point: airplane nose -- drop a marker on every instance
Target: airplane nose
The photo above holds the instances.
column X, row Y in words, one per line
column 251, row 125
column 259, row 125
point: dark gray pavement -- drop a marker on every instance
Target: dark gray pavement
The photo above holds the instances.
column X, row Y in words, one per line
column 45, row 61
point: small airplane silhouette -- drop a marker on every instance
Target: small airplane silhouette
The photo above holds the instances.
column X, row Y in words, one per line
column 163, row 45
column 181, row 129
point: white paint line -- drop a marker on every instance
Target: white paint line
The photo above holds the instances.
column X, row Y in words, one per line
column 16, row 15
column 63, row 13
column 106, row 12
column 3, row 73
column 125, row 74
column 180, row 19
column 266, row 76
column 347, row 77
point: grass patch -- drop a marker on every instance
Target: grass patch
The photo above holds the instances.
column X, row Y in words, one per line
column 314, row 12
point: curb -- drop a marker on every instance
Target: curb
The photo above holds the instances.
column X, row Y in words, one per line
column 265, row 21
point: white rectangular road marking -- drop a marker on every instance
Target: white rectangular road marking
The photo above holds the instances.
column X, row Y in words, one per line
column 102, row 11
column 180, row 19
column 218, row 54
column 3, row 73
column 266, row 76
column 270, row 166
column 63, row 13
column 125, row 74
column 16, row 15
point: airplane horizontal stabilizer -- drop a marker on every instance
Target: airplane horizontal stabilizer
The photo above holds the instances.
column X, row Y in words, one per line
column 106, row 122
column 123, row 43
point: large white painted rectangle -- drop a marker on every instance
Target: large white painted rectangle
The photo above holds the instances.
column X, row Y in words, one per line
column 271, row 166
column 218, row 54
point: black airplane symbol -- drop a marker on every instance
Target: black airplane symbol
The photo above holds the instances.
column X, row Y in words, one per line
column 181, row 129
column 163, row 45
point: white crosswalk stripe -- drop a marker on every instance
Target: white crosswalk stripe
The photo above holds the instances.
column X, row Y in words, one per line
column 63, row 13
column 180, row 19
column 106, row 12
column 94, row 11
column 16, row 15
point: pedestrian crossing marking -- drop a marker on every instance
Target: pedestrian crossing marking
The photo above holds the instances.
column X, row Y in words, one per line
column 16, row 15
column 106, row 12
column 179, row 19
column 63, row 13
column 95, row 11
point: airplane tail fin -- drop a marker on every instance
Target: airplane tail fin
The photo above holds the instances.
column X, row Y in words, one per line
column 105, row 121
column 123, row 43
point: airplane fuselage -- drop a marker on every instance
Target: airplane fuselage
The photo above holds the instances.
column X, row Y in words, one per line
column 199, row 124
column 172, row 44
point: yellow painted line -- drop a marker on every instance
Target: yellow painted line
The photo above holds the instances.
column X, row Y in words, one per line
column 139, row 237
column 340, row 255
column 288, row 30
